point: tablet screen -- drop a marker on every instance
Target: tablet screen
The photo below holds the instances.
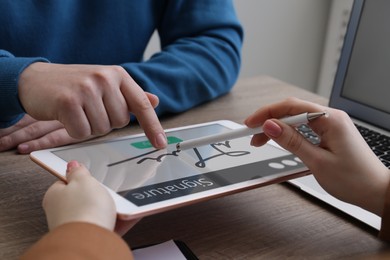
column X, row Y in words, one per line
column 144, row 175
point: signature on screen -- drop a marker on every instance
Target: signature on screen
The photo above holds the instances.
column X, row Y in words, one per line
column 200, row 164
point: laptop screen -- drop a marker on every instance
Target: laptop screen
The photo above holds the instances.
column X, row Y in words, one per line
column 362, row 82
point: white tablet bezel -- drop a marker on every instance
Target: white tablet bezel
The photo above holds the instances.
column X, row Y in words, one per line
column 57, row 166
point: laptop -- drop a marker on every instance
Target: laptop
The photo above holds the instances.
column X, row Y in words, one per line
column 362, row 89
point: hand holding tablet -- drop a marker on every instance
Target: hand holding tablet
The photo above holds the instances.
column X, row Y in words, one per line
column 143, row 180
column 64, row 203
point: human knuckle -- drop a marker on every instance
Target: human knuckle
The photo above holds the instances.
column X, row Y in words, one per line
column 79, row 133
column 121, row 121
column 6, row 142
column 291, row 99
column 144, row 104
column 109, row 77
column 342, row 115
column 101, row 130
column 295, row 141
column 67, row 101
column 48, row 141
column 118, row 69
column 33, row 130
column 88, row 86
column 102, row 74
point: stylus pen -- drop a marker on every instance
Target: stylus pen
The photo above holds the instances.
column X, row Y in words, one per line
column 244, row 131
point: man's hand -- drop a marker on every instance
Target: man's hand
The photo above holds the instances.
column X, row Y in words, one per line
column 30, row 135
column 87, row 100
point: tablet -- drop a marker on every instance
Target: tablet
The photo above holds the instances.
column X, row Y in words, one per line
column 144, row 180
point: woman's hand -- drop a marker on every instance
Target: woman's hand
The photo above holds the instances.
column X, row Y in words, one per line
column 342, row 163
column 82, row 199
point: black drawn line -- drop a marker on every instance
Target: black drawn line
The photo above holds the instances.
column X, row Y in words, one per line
column 200, row 164
column 158, row 159
column 130, row 159
column 202, row 161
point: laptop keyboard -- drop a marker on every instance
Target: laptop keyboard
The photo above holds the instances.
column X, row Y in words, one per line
column 379, row 143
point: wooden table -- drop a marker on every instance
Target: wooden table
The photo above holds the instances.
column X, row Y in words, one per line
column 276, row 221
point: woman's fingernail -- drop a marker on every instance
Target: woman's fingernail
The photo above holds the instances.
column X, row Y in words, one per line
column 71, row 165
column 272, row 129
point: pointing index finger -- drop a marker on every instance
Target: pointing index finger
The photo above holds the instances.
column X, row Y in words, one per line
column 139, row 104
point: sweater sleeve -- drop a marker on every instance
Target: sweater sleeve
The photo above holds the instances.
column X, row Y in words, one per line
column 200, row 55
column 384, row 233
column 11, row 67
column 79, row 241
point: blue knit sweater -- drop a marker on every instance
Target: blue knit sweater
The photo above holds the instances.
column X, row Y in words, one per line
column 200, row 42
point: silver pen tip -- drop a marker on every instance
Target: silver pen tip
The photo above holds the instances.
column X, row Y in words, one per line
column 311, row 116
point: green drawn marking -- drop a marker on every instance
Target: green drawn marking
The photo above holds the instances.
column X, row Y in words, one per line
column 146, row 144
